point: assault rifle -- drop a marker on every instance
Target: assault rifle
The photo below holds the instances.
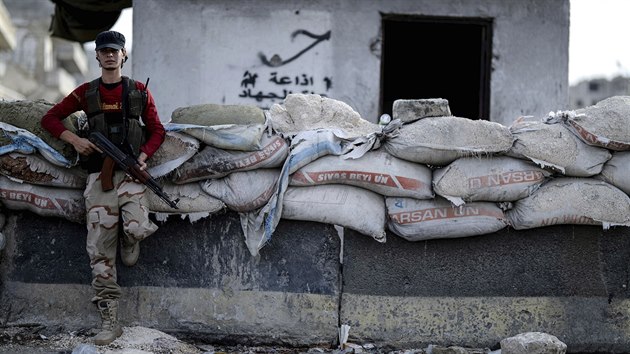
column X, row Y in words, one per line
column 128, row 164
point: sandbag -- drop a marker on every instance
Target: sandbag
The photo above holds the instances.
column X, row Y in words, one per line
column 605, row 124
column 418, row 220
column 244, row 191
column 337, row 205
column 438, row 141
column 241, row 137
column 301, row 112
column 217, row 114
column 176, row 149
column 28, row 115
column 34, row 169
column 570, row 200
column 554, row 147
column 616, row 171
column 68, row 204
column 212, row 162
column 192, row 199
column 493, row 179
column 377, row 171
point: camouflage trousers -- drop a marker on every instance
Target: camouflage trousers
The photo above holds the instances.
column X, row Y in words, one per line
column 104, row 210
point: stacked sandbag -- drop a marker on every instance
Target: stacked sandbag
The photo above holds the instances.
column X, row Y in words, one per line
column 303, row 112
column 176, row 149
column 572, row 200
column 493, row 179
column 42, row 200
column 27, row 115
column 555, row 147
column 214, row 162
column 424, row 175
column 377, row 171
column 418, row 220
column 438, row 141
column 337, row 205
column 34, row 169
column 616, row 171
column 244, row 191
column 605, row 124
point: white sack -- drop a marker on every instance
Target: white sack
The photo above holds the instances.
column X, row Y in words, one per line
column 439, row 141
column 306, row 147
column 209, row 114
column 493, row 179
column 211, row 162
column 68, row 204
column 567, row 200
column 616, row 171
column 337, row 205
column 25, row 142
column 229, row 136
column 243, row 191
column 34, row 169
column 417, row 220
column 377, row 171
column 301, row 112
column 192, row 200
column 605, row 124
column 554, row 147
column 176, row 149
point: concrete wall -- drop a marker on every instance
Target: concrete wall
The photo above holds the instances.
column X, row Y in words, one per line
column 208, row 51
column 199, row 281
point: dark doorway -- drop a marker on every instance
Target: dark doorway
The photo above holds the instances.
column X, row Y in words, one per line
column 437, row 57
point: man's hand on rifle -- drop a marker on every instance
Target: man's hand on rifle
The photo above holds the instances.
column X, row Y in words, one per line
column 82, row 145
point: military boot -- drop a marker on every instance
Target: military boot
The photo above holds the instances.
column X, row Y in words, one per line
column 110, row 329
column 129, row 252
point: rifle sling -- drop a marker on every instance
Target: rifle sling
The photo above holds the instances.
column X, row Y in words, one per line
column 107, row 174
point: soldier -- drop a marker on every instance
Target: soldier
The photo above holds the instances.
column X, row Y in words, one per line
column 124, row 111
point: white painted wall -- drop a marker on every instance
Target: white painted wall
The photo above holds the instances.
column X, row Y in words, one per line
column 202, row 51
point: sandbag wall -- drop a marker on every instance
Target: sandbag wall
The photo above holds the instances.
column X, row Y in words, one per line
column 425, row 175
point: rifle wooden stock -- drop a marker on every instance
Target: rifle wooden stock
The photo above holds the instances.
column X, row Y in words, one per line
column 128, row 164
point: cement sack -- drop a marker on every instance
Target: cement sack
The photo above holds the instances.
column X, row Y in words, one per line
column 176, row 149
column 616, row 171
column 418, row 220
column 34, row 169
column 605, row 124
column 68, row 204
column 217, row 114
column 554, row 147
column 27, row 115
column 244, row 191
column 568, row 200
column 302, row 112
column 492, row 179
column 25, row 142
column 377, row 171
column 229, row 136
column 306, row 147
column 211, row 162
column 193, row 201
column 438, row 141
column 337, row 205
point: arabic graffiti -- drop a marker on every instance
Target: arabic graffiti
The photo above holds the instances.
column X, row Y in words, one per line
column 276, row 61
column 300, row 83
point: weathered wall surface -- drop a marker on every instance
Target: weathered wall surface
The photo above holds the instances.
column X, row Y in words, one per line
column 199, row 280
column 210, row 52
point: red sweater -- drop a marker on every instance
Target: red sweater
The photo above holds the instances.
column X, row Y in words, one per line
column 111, row 102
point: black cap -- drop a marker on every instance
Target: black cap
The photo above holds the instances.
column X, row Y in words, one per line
column 110, row 39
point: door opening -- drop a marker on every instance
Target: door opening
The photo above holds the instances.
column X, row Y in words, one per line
column 437, row 57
